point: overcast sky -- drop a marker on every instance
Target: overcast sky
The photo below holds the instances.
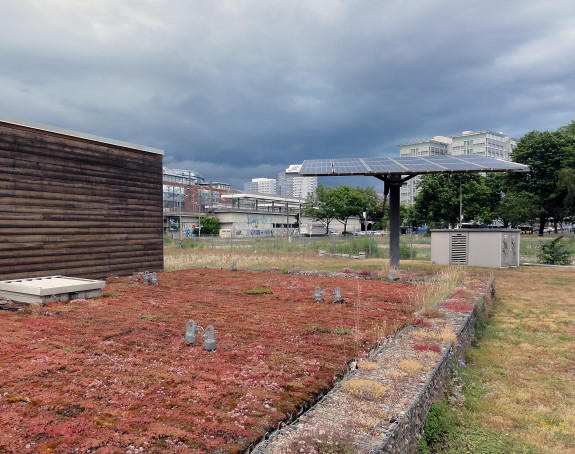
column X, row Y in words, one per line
column 239, row 89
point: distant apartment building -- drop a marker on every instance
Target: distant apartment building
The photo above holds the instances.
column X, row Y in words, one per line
column 483, row 143
column 291, row 184
column 261, row 185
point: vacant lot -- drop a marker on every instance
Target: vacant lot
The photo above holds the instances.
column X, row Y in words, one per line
column 114, row 373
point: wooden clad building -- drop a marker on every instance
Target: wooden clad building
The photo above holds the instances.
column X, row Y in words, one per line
column 77, row 205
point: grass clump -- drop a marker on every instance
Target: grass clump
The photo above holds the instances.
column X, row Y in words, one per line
column 364, row 389
column 341, row 331
column 367, row 365
column 431, row 312
column 437, row 288
column 410, row 366
column 316, row 328
column 258, row 291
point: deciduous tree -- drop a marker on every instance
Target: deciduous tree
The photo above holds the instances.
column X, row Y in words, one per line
column 210, row 226
column 442, row 196
column 340, row 202
column 320, row 206
column 548, row 154
column 518, row 208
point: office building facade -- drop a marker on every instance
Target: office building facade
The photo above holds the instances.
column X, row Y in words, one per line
column 482, row 143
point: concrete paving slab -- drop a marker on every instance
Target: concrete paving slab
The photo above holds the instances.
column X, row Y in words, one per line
column 39, row 290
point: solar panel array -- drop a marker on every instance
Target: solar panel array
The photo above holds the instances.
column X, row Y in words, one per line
column 408, row 165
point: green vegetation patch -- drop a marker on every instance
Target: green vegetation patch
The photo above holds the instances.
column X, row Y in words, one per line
column 258, row 291
column 446, row 431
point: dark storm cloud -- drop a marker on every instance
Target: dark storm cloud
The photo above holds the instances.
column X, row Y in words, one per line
column 241, row 89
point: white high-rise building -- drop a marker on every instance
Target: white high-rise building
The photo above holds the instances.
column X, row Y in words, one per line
column 483, row 143
column 261, row 185
column 291, row 184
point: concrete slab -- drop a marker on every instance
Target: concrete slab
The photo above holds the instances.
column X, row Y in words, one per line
column 39, row 290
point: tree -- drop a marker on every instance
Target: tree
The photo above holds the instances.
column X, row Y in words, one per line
column 548, row 153
column 518, row 208
column 210, row 226
column 353, row 202
column 408, row 214
column 320, row 205
column 442, row 196
column 411, row 217
column 339, row 202
column 566, row 183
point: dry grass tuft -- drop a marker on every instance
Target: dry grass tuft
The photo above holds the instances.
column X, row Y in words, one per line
column 437, row 288
column 395, row 374
column 424, row 336
column 364, row 389
column 410, row 366
column 431, row 312
column 367, row 365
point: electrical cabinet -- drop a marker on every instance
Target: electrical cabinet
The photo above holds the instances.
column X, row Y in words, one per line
column 493, row 248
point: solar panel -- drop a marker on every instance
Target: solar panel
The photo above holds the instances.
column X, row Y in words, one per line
column 408, row 165
column 353, row 165
column 487, row 162
column 452, row 163
column 383, row 165
column 317, row 167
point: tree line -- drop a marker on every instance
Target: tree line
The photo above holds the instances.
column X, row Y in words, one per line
column 545, row 194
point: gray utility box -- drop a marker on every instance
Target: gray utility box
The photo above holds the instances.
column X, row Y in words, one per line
column 493, row 248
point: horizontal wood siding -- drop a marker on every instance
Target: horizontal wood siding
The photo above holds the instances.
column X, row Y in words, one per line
column 77, row 207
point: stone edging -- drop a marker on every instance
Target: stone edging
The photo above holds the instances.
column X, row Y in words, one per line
column 395, row 423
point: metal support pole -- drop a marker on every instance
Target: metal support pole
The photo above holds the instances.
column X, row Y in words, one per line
column 287, row 221
column 460, row 204
column 299, row 221
column 369, row 246
column 394, row 221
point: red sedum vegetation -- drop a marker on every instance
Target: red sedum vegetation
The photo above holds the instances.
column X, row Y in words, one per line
column 427, row 348
column 458, row 307
column 114, row 374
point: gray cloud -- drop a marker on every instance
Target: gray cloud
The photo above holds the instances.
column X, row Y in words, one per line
column 238, row 89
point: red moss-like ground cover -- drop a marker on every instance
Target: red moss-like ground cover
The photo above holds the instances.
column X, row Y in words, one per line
column 114, row 374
